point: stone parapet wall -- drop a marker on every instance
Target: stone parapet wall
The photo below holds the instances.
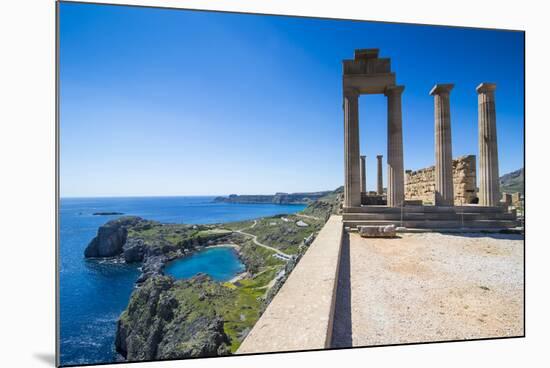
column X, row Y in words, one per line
column 420, row 184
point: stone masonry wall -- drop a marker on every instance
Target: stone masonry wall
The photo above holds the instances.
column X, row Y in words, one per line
column 420, row 184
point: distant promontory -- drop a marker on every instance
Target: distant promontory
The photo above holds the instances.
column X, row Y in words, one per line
column 277, row 198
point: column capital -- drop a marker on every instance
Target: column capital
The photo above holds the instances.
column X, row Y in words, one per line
column 486, row 87
column 351, row 92
column 393, row 90
column 363, row 157
column 441, row 89
column 379, row 156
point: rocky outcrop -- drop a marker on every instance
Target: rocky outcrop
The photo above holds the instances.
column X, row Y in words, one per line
column 169, row 319
column 111, row 237
column 133, row 250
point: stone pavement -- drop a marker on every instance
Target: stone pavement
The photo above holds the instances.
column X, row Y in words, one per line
column 428, row 287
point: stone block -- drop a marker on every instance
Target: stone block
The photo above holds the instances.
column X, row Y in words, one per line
column 387, row 231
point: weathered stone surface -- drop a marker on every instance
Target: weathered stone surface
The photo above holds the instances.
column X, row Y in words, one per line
column 420, row 184
column 395, row 192
column 506, row 199
column 352, row 187
column 387, row 231
column 363, row 171
column 379, row 179
column 489, row 183
column 443, row 145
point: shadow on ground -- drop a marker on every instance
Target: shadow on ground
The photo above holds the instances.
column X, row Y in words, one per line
column 341, row 329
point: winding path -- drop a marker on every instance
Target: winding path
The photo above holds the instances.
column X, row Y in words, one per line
column 255, row 240
column 307, row 216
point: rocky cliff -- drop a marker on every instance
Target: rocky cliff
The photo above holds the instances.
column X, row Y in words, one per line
column 169, row 319
column 111, row 237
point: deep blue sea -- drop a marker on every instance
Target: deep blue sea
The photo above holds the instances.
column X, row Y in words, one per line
column 93, row 293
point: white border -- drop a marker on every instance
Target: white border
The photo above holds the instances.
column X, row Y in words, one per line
column 27, row 182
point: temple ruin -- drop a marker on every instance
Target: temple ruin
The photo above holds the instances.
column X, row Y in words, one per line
column 451, row 201
column 396, row 287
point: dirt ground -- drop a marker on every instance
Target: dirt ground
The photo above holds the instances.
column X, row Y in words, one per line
column 429, row 287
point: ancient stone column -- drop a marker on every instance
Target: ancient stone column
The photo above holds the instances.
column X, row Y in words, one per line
column 363, row 173
column 489, row 186
column 444, row 195
column 352, row 190
column 396, row 182
column 379, row 182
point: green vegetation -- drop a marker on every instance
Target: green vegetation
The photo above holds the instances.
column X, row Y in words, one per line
column 163, row 238
column 256, row 258
column 283, row 233
column 237, row 225
column 242, row 313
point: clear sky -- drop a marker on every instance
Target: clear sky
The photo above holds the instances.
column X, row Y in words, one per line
column 174, row 102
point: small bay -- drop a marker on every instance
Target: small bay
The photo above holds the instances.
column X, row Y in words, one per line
column 221, row 263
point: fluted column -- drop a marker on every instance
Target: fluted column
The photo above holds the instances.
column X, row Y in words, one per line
column 363, row 173
column 444, row 193
column 352, row 190
column 489, row 185
column 379, row 181
column 396, row 183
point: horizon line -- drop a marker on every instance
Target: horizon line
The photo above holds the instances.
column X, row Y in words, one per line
column 180, row 195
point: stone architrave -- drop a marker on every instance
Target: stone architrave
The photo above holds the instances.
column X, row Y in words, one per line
column 367, row 73
column 444, row 195
column 489, row 184
column 363, row 169
column 396, row 183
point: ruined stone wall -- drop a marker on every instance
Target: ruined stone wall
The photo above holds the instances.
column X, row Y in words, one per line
column 420, row 184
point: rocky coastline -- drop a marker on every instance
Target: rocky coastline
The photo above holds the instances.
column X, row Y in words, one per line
column 153, row 244
column 172, row 319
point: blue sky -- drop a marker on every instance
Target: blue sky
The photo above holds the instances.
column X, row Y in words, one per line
column 173, row 102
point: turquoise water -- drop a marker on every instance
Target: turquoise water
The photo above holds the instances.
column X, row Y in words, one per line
column 221, row 263
column 93, row 293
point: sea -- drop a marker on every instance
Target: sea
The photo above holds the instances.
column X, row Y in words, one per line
column 93, row 293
